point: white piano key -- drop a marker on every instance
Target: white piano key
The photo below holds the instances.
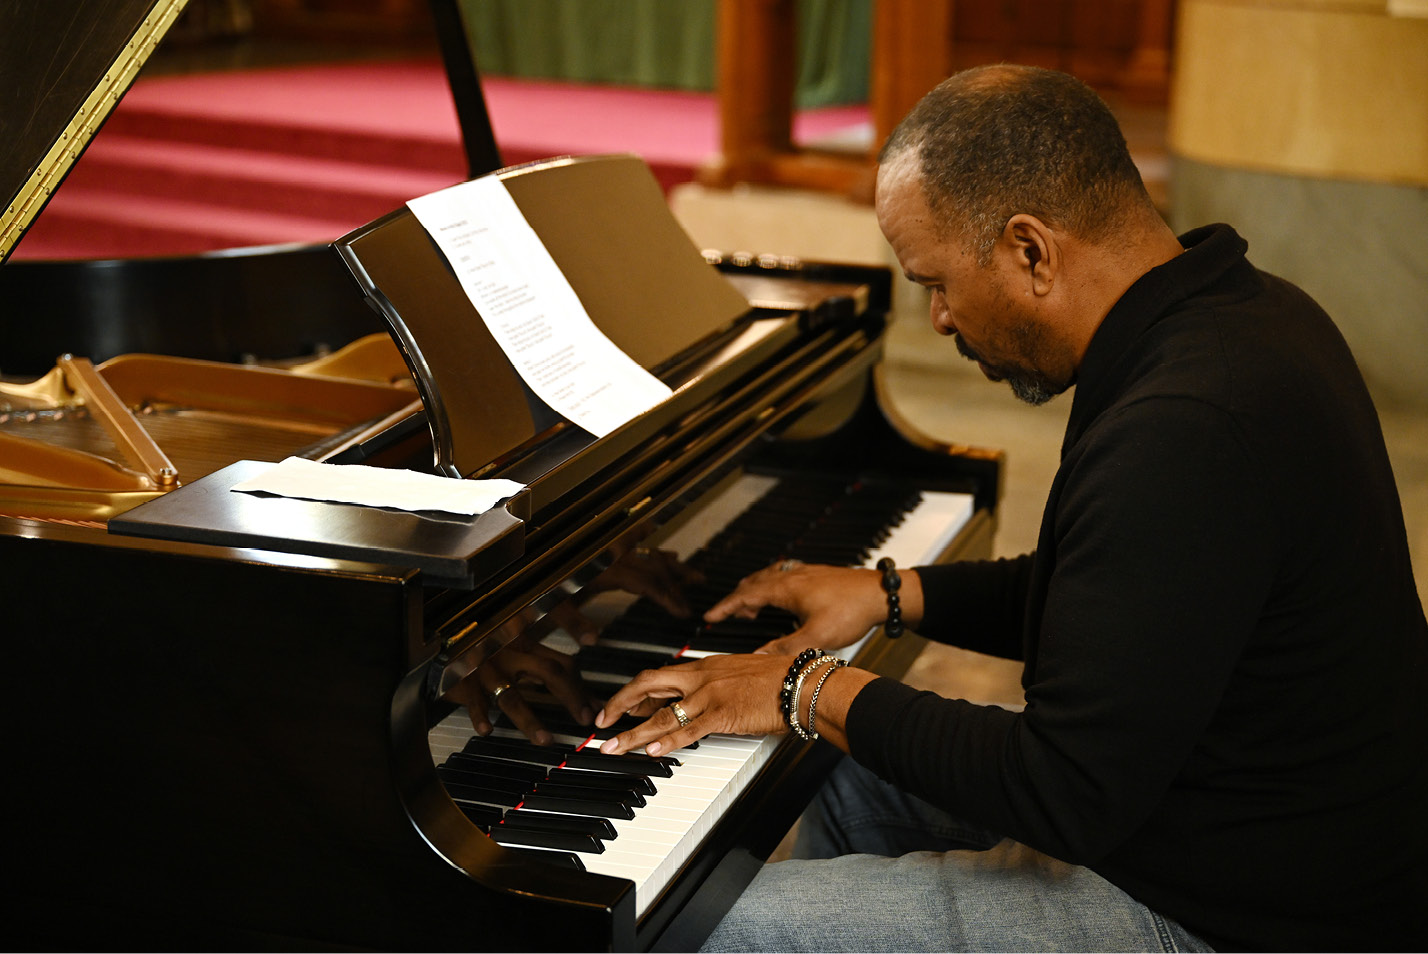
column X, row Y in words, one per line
column 713, row 795
column 927, row 530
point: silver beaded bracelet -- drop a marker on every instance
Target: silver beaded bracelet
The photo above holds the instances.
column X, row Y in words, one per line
column 803, row 674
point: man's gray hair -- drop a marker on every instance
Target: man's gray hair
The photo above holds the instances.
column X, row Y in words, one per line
column 995, row 141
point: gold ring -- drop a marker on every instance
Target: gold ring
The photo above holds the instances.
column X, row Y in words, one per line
column 496, row 693
column 678, row 711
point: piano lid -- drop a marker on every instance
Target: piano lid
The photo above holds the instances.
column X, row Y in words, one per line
column 64, row 64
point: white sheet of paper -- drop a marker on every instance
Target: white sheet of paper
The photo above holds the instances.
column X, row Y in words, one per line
column 379, row 487
column 531, row 310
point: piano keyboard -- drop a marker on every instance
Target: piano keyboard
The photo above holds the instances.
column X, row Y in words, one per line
column 640, row 818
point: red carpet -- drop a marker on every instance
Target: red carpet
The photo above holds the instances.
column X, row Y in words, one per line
column 303, row 154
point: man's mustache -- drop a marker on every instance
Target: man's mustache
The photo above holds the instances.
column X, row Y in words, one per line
column 965, row 351
column 992, row 372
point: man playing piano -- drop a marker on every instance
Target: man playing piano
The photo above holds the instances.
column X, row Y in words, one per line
column 1223, row 743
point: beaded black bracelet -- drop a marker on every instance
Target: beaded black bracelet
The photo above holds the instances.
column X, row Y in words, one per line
column 891, row 584
column 788, row 693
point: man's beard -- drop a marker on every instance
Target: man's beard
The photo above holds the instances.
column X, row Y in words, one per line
column 1029, row 386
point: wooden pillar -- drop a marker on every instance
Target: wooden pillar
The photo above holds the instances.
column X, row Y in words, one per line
column 758, row 54
column 758, row 59
column 1147, row 73
column 913, row 49
column 912, row 52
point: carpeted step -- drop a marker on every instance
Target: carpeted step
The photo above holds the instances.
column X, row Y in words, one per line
column 282, row 137
column 388, row 113
column 241, row 178
column 200, row 162
column 142, row 225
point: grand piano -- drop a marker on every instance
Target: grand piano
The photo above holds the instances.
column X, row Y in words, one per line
column 244, row 721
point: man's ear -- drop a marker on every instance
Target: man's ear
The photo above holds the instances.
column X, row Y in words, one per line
column 1034, row 251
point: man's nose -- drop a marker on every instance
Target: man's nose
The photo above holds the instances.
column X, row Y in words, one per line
column 941, row 319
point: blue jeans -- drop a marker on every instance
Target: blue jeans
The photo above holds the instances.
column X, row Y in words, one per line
column 879, row 870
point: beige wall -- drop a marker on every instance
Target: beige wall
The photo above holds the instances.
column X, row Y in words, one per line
column 1304, row 123
column 1330, row 88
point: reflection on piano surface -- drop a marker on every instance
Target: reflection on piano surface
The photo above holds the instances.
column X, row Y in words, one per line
column 216, row 744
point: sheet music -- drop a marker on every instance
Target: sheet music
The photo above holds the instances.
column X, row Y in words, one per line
column 531, row 310
column 379, row 487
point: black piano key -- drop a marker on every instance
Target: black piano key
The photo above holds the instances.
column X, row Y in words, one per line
column 567, row 790
column 641, row 784
column 651, row 632
column 711, row 643
column 751, row 633
column 573, row 805
column 561, row 859
column 495, row 783
column 659, row 766
column 514, row 749
column 545, row 821
column 760, row 627
column 521, row 750
column 559, row 722
column 624, row 662
column 482, row 816
column 827, row 554
column 559, row 840
column 565, row 731
column 462, row 792
column 623, row 724
column 502, row 767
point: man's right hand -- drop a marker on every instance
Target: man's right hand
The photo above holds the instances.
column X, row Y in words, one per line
column 835, row 605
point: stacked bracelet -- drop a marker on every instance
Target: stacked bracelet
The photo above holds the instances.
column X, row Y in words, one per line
column 891, row 584
column 813, row 702
column 792, row 683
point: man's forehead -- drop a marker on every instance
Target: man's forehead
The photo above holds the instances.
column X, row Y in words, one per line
column 900, row 170
column 899, row 190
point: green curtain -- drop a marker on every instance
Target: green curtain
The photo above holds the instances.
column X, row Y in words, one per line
column 660, row 43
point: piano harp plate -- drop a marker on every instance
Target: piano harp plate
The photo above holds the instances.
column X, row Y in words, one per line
column 66, row 458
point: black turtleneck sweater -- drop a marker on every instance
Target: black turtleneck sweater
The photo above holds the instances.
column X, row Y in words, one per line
column 1226, row 659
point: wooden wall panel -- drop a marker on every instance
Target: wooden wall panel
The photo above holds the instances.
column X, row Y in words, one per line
column 1111, row 44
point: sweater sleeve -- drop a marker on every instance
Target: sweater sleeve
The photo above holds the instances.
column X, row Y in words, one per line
column 979, row 606
column 1159, row 547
